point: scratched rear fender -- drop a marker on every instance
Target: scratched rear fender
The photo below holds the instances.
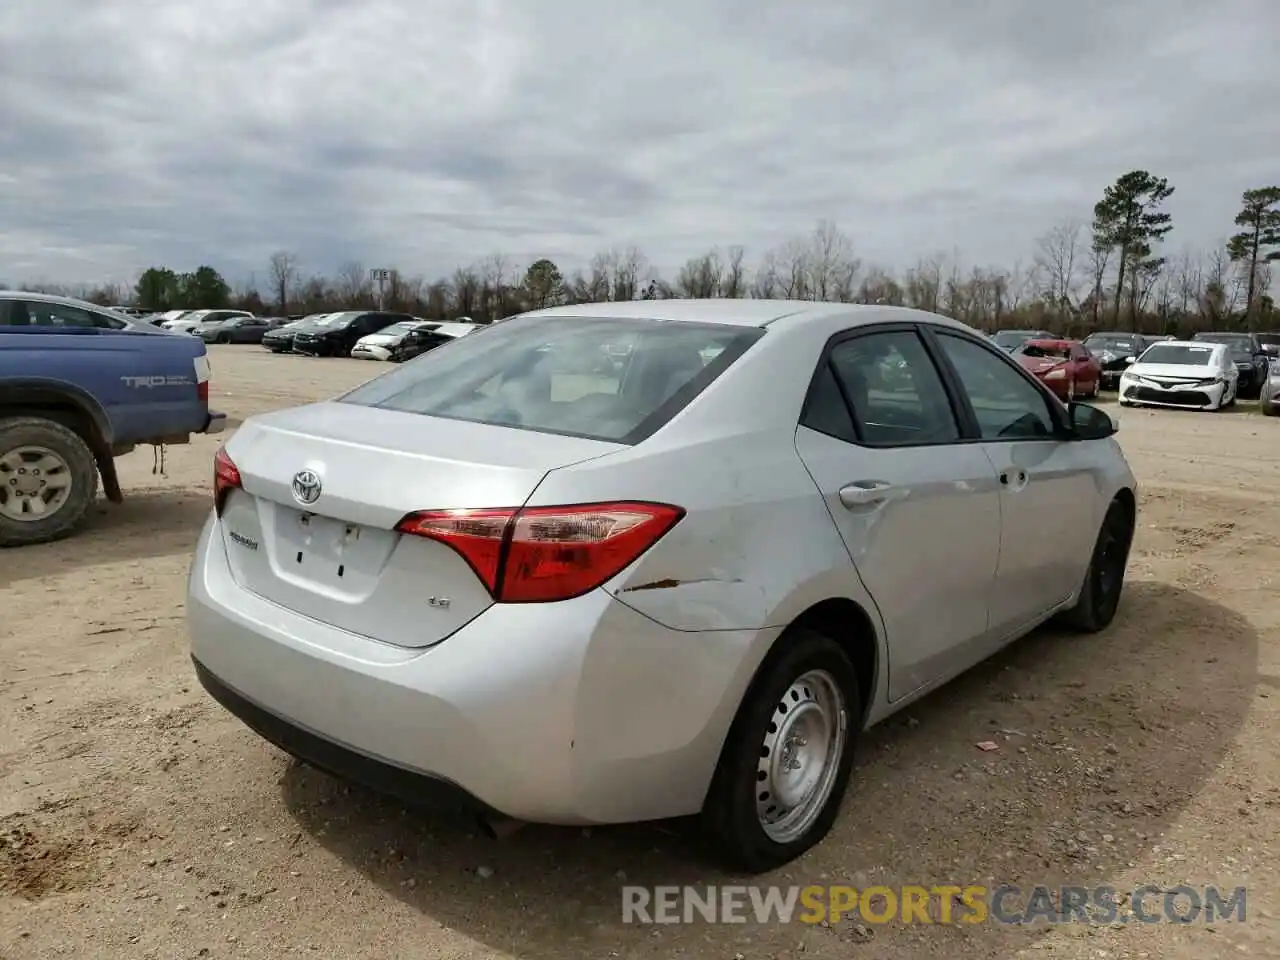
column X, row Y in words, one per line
column 755, row 548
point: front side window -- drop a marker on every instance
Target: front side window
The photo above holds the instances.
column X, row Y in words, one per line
column 553, row 374
column 1007, row 405
column 894, row 390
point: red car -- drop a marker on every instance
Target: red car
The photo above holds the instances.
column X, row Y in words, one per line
column 1064, row 366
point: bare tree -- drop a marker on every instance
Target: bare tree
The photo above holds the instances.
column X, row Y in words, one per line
column 923, row 284
column 1099, row 263
column 733, row 282
column 1057, row 255
column 283, row 268
column 765, row 283
column 627, row 268
column 466, row 291
column 352, row 283
column 831, row 264
column 701, row 276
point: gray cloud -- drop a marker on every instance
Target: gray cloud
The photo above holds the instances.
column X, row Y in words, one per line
column 429, row 134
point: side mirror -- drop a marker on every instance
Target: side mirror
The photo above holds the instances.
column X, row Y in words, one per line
column 1090, row 423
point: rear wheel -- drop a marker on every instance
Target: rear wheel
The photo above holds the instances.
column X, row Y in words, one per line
column 48, row 481
column 785, row 765
column 1104, row 580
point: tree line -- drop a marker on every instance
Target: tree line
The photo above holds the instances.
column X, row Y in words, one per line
column 1106, row 273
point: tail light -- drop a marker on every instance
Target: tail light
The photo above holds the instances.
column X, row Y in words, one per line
column 226, row 477
column 204, row 371
column 542, row 554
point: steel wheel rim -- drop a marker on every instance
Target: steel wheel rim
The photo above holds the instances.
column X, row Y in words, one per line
column 35, row 482
column 800, row 756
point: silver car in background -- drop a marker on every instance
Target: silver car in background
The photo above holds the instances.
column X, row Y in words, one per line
column 630, row 561
column 1269, row 399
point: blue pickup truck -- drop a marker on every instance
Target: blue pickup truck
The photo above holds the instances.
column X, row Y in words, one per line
column 79, row 386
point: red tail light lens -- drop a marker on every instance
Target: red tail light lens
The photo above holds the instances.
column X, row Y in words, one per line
column 542, row 554
column 202, row 391
column 226, row 477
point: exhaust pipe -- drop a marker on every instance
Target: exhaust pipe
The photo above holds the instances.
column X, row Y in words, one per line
column 498, row 827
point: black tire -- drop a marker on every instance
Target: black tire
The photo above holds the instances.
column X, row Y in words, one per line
column 1269, row 409
column 729, row 820
column 18, row 432
column 224, row 338
column 1104, row 580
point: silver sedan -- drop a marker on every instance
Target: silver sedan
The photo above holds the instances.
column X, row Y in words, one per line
column 630, row 561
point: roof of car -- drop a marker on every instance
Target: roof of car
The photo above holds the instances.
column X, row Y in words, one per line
column 746, row 313
column 1198, row 344
column 50, row 298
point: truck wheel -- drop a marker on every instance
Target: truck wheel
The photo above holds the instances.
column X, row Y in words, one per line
column 48, row 481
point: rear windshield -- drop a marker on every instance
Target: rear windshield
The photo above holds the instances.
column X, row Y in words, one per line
column 602, row 379
column 1045, row 351
column 405, row 326
column 1012, row 338
column 1178, row 353
column 1112, row 343
column 1239, row 347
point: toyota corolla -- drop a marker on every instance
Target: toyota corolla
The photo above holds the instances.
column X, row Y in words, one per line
column 580, row 592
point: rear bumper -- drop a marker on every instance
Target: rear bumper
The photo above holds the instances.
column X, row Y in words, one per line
column 577, row 712
column 215, row 422
column 405, row 785
column 367, row 352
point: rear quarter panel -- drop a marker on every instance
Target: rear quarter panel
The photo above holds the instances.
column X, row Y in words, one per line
column 757, row 546
column 145, row 384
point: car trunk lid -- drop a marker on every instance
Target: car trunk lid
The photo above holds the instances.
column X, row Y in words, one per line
column 324, row 544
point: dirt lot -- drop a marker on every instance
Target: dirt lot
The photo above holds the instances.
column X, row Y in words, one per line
column 139, row 820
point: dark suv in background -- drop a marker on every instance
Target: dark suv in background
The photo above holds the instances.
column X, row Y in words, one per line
column 1115, row 351
column 336, row 334
column 1249, row 356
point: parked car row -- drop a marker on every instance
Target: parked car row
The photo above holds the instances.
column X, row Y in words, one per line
column 363, row 334
column 1209, row 371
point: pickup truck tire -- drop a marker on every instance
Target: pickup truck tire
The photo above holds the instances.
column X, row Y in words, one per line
column 19, row 434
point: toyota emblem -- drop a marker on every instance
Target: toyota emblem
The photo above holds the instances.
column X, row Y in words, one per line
column 306, row 486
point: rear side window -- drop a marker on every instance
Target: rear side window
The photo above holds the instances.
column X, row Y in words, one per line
column 603, row 379
column 43, row 314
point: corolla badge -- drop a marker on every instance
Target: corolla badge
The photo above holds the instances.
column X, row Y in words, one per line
column 306, row 486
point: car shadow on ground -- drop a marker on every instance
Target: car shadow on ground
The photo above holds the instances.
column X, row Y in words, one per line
column 149, row 523
column 1100, row 742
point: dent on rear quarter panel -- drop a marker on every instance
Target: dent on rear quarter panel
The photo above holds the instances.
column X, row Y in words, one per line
column 754, row 537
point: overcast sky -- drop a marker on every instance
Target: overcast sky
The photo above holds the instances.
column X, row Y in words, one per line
column 427, row 133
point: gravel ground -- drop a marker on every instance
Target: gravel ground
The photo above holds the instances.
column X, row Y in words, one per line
column 137, row 819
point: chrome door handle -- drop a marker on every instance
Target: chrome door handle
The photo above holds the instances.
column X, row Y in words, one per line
column 863, row 493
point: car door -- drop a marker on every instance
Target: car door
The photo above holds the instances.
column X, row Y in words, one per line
column 1088, row 370
column 1048, row 484
column 918, row 509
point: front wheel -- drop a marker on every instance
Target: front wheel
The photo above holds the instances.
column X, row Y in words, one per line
column 785, row 765
column 1104, row 580
column 48, row 481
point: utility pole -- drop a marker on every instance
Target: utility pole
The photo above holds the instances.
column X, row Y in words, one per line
column 380, row 276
